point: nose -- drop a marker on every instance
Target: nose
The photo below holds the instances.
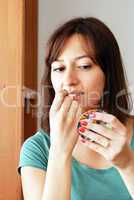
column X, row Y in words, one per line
column 70, row 78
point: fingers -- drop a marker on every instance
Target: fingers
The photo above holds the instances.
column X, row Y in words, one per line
column 66, row 105
column 101, row 130
column 58, row 100
column 96, row 138
column 72, row 112
column 77, row 117
column 69, row 109
column 79, row 112
column 112, row 120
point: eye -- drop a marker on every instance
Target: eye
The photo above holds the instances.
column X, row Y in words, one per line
column 58, row 69
column 85, row 66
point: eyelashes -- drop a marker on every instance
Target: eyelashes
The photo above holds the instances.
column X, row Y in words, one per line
column 58, row 69
column 83, row 67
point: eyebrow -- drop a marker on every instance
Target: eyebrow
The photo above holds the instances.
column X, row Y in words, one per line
column 76, row 58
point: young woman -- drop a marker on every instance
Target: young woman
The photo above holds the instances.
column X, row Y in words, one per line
column 84, row 71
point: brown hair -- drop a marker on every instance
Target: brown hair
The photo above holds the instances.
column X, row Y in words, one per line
column 107, row 56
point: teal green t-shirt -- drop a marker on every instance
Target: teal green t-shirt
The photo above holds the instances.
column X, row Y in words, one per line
column 87, row 183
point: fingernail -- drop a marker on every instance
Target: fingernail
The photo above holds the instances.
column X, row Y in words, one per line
column 92, row 115
column 82, row 129
column 82, row 140
column 83, row 123
column 65, row 91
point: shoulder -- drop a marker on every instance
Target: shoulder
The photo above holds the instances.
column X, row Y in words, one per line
column 40, row 141
column 39, row 137
column 35, row 151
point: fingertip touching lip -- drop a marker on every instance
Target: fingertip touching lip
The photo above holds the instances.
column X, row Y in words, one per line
column 76, row 93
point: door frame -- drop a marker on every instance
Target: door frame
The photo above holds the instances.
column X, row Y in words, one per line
column 18, row 23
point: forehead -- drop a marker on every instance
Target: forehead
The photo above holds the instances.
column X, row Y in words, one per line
column 76, row 46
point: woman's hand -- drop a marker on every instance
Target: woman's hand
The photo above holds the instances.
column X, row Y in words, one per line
column 112, row 143
column 64, row 117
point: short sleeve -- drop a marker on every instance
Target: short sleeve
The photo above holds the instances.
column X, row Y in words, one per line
column 132, row 141
column 35, row 152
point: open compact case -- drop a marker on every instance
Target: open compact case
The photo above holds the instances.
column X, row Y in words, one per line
column 88, row 117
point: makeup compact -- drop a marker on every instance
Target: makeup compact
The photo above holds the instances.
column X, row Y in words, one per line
column 88, row 118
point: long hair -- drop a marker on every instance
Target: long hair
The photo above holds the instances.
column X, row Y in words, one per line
column 116, row 99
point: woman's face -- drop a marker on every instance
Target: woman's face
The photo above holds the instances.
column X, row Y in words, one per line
column 75, row 71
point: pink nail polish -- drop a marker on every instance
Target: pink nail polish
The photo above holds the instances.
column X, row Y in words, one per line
column 82, row 129
column 83, row 123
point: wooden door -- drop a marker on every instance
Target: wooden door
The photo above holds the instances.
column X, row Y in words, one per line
column 30, row 67
column 15, row 63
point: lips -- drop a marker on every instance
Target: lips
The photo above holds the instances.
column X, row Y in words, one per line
column 76, row 95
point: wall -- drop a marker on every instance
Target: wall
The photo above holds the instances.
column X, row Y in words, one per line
column 11, row 82
column 118, row 15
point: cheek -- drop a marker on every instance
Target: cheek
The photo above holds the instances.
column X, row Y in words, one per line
column 56, row 83
column 93, row 90
column 96, row 83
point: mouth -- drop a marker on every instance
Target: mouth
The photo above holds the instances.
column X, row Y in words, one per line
column 76, row 95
